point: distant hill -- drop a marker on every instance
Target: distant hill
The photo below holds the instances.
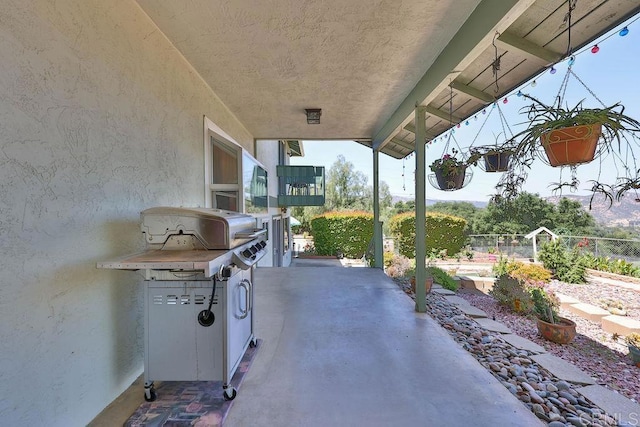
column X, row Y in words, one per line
column 625, row 213
column 431, row 202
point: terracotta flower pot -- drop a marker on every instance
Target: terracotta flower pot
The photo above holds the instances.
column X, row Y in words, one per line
column 428, row 283
column 453, row 181
column 562, row 333
column 496, row 162
column 572, row 145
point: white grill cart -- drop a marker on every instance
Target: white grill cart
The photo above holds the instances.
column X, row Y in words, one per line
column 198, row 293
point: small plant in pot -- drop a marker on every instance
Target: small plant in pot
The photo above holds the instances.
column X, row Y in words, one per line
column 572, row 135
column 449, row 171
column 633, row 342
column 494, row 158
column 428, row 281
column 550, row 325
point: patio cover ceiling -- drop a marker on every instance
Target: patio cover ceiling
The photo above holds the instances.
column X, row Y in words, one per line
column 366, row 63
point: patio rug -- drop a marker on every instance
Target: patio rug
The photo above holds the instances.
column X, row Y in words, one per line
column 190, row 403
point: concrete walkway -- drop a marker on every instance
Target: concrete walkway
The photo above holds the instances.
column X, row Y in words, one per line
column 344, row 347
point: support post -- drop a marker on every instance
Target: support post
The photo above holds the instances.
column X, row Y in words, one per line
column 421, row 197
column 377, row 225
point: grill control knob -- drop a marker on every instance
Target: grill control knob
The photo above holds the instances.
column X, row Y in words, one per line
column 247, row 253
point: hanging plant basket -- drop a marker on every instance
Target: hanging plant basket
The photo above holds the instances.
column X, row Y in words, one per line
column 450, row 181
column 497, row 161
column 572, row 145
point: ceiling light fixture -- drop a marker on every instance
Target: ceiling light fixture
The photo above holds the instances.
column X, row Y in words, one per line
column 313, row 116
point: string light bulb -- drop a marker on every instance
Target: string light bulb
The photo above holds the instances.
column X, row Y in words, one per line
column 504, row 101
column 519, row 94
column 534, row 83
column 623, row 32
column 552, row 70
column 572, row 61
column 595, row 49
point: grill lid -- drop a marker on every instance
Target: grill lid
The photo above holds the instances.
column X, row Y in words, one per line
column 214, row 228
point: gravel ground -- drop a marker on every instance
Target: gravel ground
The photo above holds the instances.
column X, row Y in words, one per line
column 593, row 350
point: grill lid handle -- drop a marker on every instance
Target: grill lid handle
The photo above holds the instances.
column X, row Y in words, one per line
column 251, row 235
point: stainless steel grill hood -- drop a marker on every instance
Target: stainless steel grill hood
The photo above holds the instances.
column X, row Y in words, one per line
column 213, row 228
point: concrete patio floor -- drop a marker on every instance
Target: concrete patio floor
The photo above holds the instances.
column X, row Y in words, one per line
column 344, row 347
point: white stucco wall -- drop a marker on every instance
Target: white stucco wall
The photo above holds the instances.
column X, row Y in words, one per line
column 267, row 153
column 100, row 118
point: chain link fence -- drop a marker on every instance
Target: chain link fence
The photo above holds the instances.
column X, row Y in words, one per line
column 517, row 245
column 511, row 245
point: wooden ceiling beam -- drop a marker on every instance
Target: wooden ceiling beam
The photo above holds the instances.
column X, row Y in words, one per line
column 472, row 92
column 511, row 40
column 402, row 143
column 409, row 127
column 444, row 115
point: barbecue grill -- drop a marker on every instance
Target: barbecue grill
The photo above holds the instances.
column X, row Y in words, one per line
column 198, row 267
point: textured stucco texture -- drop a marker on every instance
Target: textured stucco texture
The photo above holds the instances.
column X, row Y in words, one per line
column 100, row 118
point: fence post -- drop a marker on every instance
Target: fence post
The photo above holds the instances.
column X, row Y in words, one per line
column 596, row 248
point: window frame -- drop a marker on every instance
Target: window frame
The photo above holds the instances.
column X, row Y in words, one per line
column 214, row 134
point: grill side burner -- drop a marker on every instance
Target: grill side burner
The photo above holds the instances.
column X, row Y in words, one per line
column 198, row 293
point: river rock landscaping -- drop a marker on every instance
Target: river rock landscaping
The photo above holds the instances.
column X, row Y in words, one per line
column 554, row 401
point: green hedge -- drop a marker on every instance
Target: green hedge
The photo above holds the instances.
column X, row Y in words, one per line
column 443, row 232
column 348, row 233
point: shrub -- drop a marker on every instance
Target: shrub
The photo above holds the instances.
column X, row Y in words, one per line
column 554, row 256
column 468, row 253
column 512, row 293
column 503, row 266
column 398, row 265
column 566, row 266
column 545, row 305
column 347, row 233
column 576, row 272
column 442, row 278
column 388, row 258
column 595, row 263
column 531, row 273
column 633, row 339
column 445, row 233
column 619, row 266
column 515, row 281
column 527, row 272
column 309, row 248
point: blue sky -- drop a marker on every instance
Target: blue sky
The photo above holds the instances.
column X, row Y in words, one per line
column 612, row 74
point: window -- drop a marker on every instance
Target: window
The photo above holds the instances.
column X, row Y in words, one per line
column 234, row 180
column 224, row 175
column 222, row 169
column 225, row 163
column 254, row 179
